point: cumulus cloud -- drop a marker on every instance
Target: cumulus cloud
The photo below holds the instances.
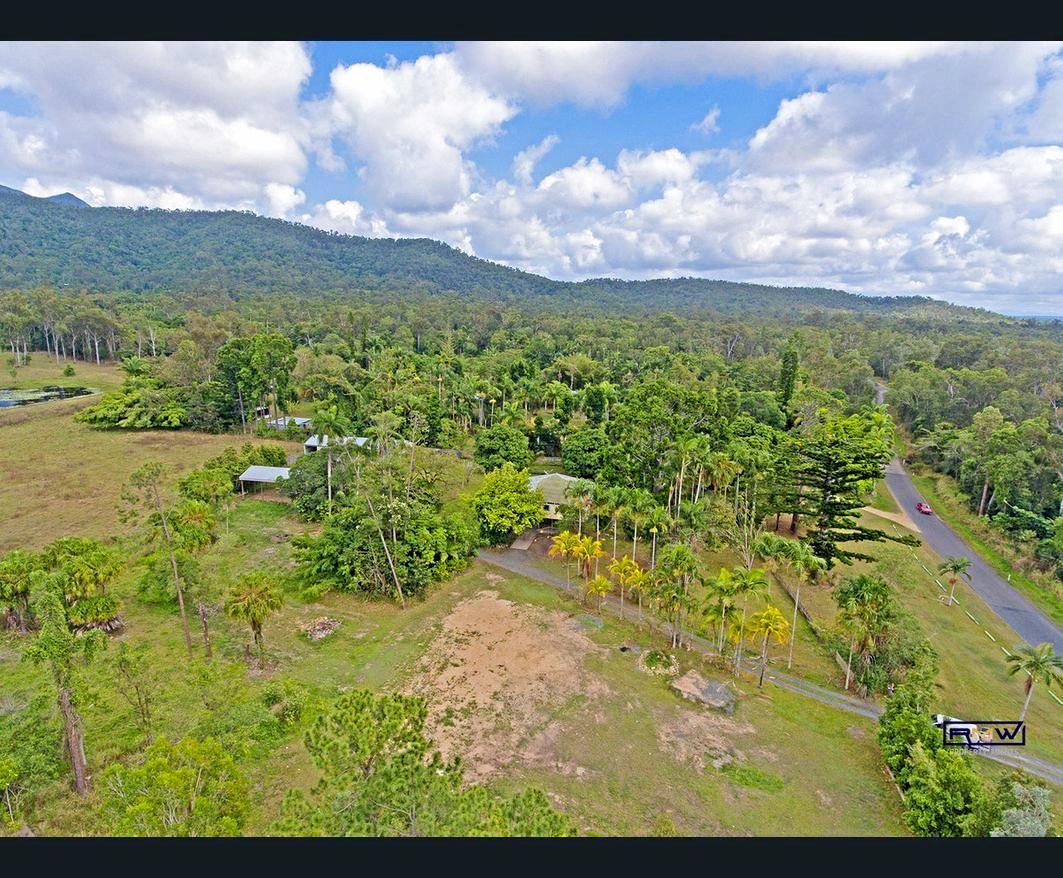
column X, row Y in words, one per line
column 599, row 74
column 201, row 123
column 410, row 125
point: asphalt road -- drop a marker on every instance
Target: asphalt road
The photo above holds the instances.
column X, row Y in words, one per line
column 1024, row 618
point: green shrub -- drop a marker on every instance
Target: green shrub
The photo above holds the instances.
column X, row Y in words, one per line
column 751, row 776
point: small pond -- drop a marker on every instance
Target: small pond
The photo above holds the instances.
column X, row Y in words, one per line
column 10, row 396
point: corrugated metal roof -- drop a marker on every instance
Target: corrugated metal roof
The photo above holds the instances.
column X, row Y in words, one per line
column 264, row 473
column 552, row 486
column 321, row 441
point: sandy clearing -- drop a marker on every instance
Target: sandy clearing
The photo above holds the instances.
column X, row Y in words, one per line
column 900, row 518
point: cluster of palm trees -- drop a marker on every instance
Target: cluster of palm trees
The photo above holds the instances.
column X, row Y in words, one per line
column 726, row 602
column 636, row 508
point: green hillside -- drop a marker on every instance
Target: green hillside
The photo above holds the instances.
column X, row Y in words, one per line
column 58, row 242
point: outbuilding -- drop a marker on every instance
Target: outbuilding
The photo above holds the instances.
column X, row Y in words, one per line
column 282, row 423
column 263, row 475
column 315, row 442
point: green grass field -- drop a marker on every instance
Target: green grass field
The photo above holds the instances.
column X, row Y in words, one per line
column 59, row 478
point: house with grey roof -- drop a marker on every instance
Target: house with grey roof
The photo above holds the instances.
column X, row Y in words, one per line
column 315, row 442
column 554, row 488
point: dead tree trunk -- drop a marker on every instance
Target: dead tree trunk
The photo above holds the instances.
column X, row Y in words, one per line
column 206, row 630
column 74, row 741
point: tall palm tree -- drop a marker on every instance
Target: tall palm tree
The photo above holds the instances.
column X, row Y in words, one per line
column 581, row 492
column 866, row 610
column 808, row 566
column 722, row 591
column 678, row 564
column 385, row 430
column 599, row 586
column 768, row 623
column 659, row 522
column 639, row 582
column 669, row 594
column 622, row 569
column 954, row 567
column 253, row 599
column 748, row 584
column 562, row 546
column 584, row 552
column 616, row 500
column 1040, row 663
column 330, row 427
column 639, row 503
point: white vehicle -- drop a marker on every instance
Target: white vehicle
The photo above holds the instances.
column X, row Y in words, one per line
column 960, row 730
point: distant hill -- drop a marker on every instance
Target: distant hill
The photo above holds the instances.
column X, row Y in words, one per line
column 56, row 241
column 67, row 198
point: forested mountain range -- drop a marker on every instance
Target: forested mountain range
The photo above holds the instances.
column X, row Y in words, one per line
column 58, row 242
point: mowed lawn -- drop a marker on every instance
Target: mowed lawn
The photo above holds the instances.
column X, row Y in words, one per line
column 60, row 478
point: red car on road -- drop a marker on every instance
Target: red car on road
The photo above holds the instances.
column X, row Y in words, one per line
column 924, row 508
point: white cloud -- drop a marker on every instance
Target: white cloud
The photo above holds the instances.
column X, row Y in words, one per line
column 525, row 161
column 410, row 125
column 211, row 122
column 933, row 168
column 710, row 124
column 599, row 74
column 283, row 199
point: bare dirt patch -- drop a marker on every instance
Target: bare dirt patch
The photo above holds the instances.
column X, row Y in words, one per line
column 701, row 739
column 496, row 676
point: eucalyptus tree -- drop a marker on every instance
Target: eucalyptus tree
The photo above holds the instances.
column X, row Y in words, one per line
column 144, row 500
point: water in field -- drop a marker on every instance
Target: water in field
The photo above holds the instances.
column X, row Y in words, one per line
column 10, row 396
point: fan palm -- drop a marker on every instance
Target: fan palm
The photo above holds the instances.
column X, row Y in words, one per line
column 253, row 599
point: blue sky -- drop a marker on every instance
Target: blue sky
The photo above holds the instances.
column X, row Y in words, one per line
column 884, row 168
